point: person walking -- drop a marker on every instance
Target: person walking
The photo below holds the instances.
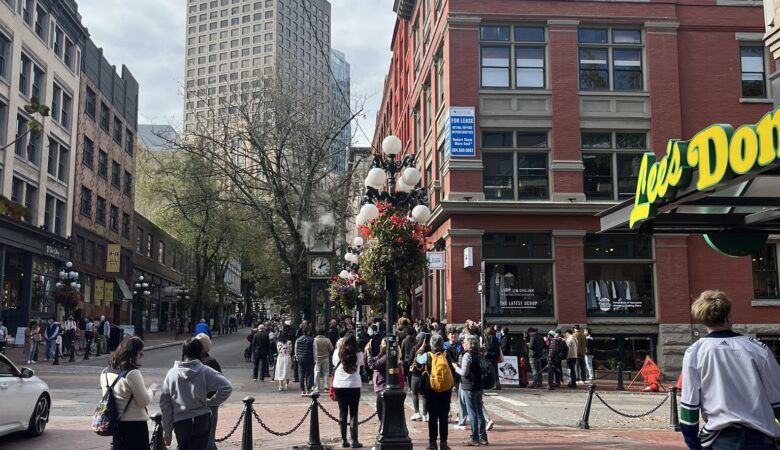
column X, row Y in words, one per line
column 553, row 361
column 50, row 335
column 304, row 354
column 417, row 372
column 471, row 383
column 493, row 354
column 209, row 361
column 189, row 391
column 571, row 360
column 261, row 346
column 734, row 380
column 89, row 333
column 123, row 376
column 283, row 368
column 589, row 354
column 103, row 332
column 536, row 352
column 32, row 337
column 408, row 348
column 347, row 360
column 323, row 348
column 377, row 364
column 581, row 350
column 69, row 338
column 455, row 349
column 203, row 327
column 438, row 382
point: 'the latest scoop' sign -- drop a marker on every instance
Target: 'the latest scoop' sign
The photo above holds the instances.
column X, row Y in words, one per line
column 459, row 132
column 719, row 152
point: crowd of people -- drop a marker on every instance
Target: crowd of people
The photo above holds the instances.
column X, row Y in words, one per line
column 51, row 340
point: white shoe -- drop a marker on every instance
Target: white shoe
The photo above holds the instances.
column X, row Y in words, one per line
column 425, row 418
column 416, row 417
column 34, row 362
column 490, row 424
column 460, row 427
column 29, row 362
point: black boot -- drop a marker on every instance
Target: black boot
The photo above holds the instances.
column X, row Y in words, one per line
column 443, row 445
column 353, row 431
column 432, row 446
column 344, row 441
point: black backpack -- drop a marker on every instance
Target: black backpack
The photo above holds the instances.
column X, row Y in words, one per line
column 563, row 350
column 487, row 374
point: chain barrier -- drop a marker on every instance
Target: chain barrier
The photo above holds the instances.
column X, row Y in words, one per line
column 631, row 416
column 286, row 433
column 333, row 418
column 235, row 427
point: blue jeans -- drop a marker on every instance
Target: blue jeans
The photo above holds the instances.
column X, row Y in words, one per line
column 33, row 349
column 474, row 406
column 740, row 438
column 462, row 411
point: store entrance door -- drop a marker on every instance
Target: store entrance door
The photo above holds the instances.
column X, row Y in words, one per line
column 630, row 350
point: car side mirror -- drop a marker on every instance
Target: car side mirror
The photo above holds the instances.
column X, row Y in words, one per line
column 27, row 373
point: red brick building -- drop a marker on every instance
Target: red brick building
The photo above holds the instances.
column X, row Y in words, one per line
column 567, row 96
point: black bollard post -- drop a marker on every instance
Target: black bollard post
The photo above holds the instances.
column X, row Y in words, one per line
column 583, row 423
column 314, row 427
column 246, row 439
column 620, row 377
column 56, row 354
column 158, row 443
column 674, row 418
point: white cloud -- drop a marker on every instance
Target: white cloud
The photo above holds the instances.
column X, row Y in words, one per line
column 148, row 37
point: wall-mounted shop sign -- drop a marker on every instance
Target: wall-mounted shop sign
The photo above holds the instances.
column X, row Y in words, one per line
column 719, row 152
column 459, row 131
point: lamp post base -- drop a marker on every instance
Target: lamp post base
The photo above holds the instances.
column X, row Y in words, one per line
column 393, row 434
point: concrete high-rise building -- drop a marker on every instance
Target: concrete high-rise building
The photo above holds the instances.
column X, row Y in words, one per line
column 340, row 108
column 232, row 43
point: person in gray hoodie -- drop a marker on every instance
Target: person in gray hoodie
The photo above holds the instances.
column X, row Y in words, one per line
column 185, row 401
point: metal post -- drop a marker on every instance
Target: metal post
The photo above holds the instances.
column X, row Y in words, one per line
column 246, row 438
column 583, row 423
column 393, row 434
column 314, row 427
column 157, row 435
column 674, row 418
column 620, row 377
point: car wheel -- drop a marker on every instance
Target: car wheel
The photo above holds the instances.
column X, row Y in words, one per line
column 40, row 416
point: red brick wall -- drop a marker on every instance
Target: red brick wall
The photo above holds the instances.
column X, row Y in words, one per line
column 671, row 279
column 564, row 82
column 569, row 279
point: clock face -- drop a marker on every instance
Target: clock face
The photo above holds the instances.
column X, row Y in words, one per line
column 320, row 266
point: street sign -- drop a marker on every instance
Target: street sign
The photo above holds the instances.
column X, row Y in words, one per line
column 459, row 130
column 435, row 260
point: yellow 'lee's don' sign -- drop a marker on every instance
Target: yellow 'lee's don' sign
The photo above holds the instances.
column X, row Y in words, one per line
column 719, row 152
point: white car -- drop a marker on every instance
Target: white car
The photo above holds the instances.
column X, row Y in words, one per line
column 26, row 400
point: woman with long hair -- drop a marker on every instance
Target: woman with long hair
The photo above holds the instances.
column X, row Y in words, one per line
column 378, row 364
column 132, row 397
column 417, row 370
column 31, row 337
column 283, row 368
column 346, row 384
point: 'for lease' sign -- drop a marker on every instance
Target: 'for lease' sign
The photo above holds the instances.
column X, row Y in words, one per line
column 459, row 132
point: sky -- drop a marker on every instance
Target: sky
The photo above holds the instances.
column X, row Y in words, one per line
column 148, row 37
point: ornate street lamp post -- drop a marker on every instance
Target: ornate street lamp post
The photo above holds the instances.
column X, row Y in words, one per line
column 68, row 289
column 406, row 197
column 141, row 289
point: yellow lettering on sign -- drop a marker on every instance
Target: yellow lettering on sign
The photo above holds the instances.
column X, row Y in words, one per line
column 642, row 208
column 743, row 150
column 768, row 129
column 709, row 150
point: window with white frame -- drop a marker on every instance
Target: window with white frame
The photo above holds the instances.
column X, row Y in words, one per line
column 610, row 59
column 765, row 272
column 612, row 161
column 515, row 165
column 752, row 71
column 28, row 140
column 507, row 47
column 41, row 22
column 5, row 56
column 61, row 105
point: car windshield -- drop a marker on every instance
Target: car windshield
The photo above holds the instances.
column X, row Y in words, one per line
column 7, row 369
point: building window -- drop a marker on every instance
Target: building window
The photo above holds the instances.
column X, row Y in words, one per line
column 41, row 20
column 80, row 250
column 129, row 142
column 90, row 252
column 128, row 184
column 17, row 190
column 161, row 252
column 139, row 240
column 60, row 106
column 100, row 210
column 526, row 43
column 5, row 56
column 105, row 117
column 610, row 59
column 62, row 164
column 103, row 164
column 765, row 279
column 515, row 165
column 88, row 157
column 752, row 69
column 48, row 213
column 126, row 225
column 31, row 201
column 618, row 275
column 27, row 11
column 67, row 54
column 117, row 130
column 91, row 103
column 115, row 174
column 612, row 162
column 58, row 160
column 518, row 275
column 59, row 217
column 149, row 245
column 86, row 202
column 53, row 153
column 113, row 219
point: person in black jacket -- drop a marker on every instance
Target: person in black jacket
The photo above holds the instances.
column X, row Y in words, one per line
column 471, row 384
column 304, row 354
column 505, row 342
column 492, row 353
column 211, row 362
column 536, row 352
column 261, row 346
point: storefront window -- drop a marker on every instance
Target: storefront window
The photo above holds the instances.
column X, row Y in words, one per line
column 12, row 282
column 618, row 276
column 43, row 285
column 518, row 278
column 630, row 350
column 765, row 272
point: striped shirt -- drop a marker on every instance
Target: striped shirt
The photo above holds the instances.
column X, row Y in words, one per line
column 735, row 381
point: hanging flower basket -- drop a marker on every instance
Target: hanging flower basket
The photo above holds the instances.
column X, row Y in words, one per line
column 343, row 293
column 397, row 249
column 68, row 298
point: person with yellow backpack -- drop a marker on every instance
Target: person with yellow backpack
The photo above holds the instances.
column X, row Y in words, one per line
column 438, row 381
